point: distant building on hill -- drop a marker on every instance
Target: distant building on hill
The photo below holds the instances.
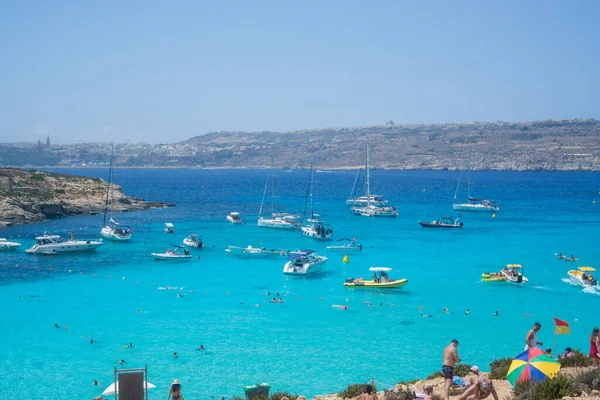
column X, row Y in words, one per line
column 48, row 141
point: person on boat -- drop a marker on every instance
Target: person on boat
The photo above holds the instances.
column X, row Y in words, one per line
column 531, row 338
column 168, row 251
column 367, row 394
column 375, row 278
column 595, row 346
column 385, row 276
column 175, row 391
column 186, row 252
column 450, row 358
column 481, row 387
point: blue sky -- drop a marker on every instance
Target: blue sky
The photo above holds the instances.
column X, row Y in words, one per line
column 160, row 71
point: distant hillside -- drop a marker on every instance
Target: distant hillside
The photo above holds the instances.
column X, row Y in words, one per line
column 31, row 196
column 541, row 145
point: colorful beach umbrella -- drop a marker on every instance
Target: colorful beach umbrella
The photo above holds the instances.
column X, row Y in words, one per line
column 532, row 365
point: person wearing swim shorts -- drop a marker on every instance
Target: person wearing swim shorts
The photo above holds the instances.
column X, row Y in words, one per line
column 450, row 360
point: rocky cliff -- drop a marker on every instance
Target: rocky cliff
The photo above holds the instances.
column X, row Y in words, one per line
column 31, row 196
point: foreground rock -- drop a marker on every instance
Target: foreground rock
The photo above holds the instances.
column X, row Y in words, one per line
column 28, row 196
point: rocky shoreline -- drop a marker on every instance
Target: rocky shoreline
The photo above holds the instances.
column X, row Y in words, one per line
column 28, row 196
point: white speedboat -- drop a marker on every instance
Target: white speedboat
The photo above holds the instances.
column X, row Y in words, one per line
column 169, row 228
column 316, row 229
column 304, row 262
column 5, row 245
column 374, row 211
column 172, row 255
column 255, row 252
column 113, row 230
column 514, row 273
column 234, row 218
column 54, row 244
column 583, row 276
column 280, row 220
column 194, row 241
column 351, row 247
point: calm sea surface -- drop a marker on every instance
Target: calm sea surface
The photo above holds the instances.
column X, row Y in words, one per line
column 304, row 346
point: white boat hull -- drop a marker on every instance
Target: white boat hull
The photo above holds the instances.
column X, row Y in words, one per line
column 190, row 243
column 170, row 257
column 308, row 268
column 233, row 220
column 578, row 280
column 375, row 211
column 110, row 234
column 345, row 248
column 75, row 246
column 475, row 207
column 9, row 246
column 276, row 224
column 514, row 279
column 254, row 252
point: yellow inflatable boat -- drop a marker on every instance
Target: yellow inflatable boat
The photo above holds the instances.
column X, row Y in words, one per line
column 493, row 277
column 380, row 280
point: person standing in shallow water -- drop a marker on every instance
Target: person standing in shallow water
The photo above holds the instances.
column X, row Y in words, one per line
column 450, row 360
column 175, row 391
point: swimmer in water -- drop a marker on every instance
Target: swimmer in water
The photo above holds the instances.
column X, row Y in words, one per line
column 175, row 355
column 201, row 348
column 426, row 315
column 56, row 325
column 468, row 311
column 121, row 362
column 496, row 314
column 446, row 311
column 66, row 328
column 180, row 295
column 341, row 307
column 138, row 310
column 91, row 341
column 95, row 383
column 129, row 346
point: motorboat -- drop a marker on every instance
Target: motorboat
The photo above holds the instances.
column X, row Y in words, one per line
column 493, row 277
column 380, row 280
column 255, row 252
column 112, row 230
column 304, row 262
column 169, row 228
column 514, row 273
column 194, row 240
column 369, row 205
column 374, row 211
column 278, row 220
column 55, row 244
column 346, row 247
column 115, row 231
column 234, row 218
column 5, row 245
column 583, row 276
column 281, row 221
column 444, row 222
column 172, row 255
column 472, row 204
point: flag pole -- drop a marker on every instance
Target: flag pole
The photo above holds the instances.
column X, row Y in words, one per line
column 555, row 344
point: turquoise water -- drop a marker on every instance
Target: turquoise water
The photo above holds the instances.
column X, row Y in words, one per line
column 304, row 345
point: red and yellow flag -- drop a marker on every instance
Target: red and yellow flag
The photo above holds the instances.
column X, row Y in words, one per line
column 562, row 327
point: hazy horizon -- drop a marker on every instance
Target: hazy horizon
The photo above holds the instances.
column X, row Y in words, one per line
column 160, row 73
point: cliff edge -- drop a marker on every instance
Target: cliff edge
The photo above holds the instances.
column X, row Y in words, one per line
column 28, row 196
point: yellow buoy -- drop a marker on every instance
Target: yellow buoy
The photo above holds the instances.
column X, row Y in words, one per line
column 346, row 259
column 494, row 215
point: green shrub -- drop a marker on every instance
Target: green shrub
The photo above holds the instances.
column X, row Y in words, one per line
column 59, row 191
column 354, row 390
column 261, row 398
column 37, row 176
column 435, row 375
column 551, row 389
column 499, row 368
column 462, row 370
column 278, row 395
column 577, row 360
column 399, row 395
column 590, row 379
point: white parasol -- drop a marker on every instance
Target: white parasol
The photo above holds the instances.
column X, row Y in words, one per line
column 114, row 388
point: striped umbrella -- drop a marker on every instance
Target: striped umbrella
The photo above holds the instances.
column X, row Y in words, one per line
column 532, row 365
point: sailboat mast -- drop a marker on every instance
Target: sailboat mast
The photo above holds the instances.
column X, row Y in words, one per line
column 469, row 177
column 264, row 194
column 368, row 179
column 112, row 151
column 312, row 166
column 272, row 184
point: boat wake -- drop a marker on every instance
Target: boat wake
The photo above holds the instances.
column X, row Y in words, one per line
column 567, row 280
column 541, row 288
column 170, row 288
column 592, row 290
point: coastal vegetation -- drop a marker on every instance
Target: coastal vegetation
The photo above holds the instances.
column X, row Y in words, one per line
column 34, row 196
column 355, row 389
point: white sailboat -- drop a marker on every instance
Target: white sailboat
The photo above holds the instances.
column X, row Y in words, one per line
column 472, row 204
column 315, row 227
column 113, row 230
column 280, row 220
column 372, row 209
column 362, row 201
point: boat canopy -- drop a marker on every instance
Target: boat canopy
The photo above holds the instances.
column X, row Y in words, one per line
column 234, row 213
column 475, row 199
column 586, row 269
column 296, row 255
column 168, row 225
column 380, row 269
column 514, row 266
